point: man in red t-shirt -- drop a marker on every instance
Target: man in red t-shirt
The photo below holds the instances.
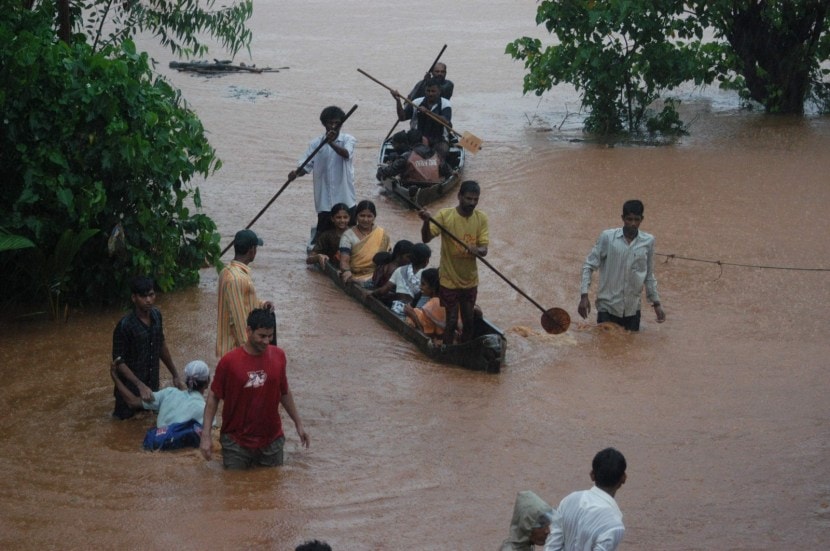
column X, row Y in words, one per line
column 252, row 382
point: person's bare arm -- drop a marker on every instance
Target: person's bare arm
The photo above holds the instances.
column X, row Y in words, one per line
column 426, row 233
column 127, row 374
column 206, row 442
column 167, row 359
column 340, row 150
column 287, row 402
column 131, row 399
column 410, row 313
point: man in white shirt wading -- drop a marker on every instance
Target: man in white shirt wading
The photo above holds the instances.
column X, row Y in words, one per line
column 625, row 260
column 590, row 520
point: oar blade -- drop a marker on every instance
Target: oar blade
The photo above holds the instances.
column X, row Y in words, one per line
column 470, row 142
column 556, row 321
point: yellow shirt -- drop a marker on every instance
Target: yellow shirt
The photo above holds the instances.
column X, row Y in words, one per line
column 458, row 269
column 237, row 298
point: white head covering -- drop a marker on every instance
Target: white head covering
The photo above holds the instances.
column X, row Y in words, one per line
column 197, row 370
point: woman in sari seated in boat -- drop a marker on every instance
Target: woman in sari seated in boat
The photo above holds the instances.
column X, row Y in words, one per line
column 360, row 243
column 327, row 247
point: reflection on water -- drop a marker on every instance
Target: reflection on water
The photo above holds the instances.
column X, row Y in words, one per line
column 721, row 411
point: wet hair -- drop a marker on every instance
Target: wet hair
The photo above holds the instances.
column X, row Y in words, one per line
column 330, row 113
column 365, row 205
column 420, row 253
column 260, row 318
column 430, row 276
column 469, row 186
column 401, row 248
column 313, row 545
column 609, row 467
column 338, row 207
column 633, row 206
column 141, row 285
column 400, row 138
column 382, row 258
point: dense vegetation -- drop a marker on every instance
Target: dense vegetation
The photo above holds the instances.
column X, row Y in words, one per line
column 98, row 155
column 623, row 55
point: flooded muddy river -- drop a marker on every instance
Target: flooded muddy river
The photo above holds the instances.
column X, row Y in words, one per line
column 722, row 411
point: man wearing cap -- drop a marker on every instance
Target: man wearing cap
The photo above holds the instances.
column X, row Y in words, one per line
column 173, row 405
column 237, row 296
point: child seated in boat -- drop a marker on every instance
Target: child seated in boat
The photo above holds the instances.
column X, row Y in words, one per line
column 406, row 280
column 326, row 248
column 385, row 265
column 429, row 317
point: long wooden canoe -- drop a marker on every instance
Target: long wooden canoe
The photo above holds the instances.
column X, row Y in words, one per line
column 416, row 192
column 485, row 352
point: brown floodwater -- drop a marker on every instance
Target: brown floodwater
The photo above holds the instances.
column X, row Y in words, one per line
column 722, row 411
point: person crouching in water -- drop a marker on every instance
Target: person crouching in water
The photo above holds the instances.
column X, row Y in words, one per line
column 530, row 526
column 173, row 405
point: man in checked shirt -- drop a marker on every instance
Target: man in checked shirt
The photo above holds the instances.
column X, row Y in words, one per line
column 625, row 260
column 137, row 345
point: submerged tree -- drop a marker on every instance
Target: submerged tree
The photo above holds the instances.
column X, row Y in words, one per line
column 622, row 55
column 93, row 143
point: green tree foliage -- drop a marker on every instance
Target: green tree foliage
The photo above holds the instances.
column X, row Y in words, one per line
column 771, row 51
column 177, row 24
column 89, row 142
column 622, row 55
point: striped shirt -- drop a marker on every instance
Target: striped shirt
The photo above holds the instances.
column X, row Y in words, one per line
column 589, row 520
column 237, row 298
column 623, row 270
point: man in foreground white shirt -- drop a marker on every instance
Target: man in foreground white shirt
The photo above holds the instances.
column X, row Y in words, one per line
column 590, row 520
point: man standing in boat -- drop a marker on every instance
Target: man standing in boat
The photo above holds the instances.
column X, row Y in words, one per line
column 431, row 114
column 332, row 169
column 625, row 260
column 458, row 270
column 439, row 73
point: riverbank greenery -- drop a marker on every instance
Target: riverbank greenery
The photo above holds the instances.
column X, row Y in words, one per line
column 624, row 55
column 98, row 156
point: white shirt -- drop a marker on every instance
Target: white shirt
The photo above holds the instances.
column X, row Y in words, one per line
column 623, row 270
column 333, row 175
column 589, row 520
column 407, row 282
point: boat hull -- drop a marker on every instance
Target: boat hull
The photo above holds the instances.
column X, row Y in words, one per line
column 418, row 192
column 485, row 352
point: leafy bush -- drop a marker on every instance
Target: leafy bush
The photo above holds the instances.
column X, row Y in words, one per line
column 94, row 141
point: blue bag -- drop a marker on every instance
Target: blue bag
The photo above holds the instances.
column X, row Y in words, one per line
column 174, row 436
